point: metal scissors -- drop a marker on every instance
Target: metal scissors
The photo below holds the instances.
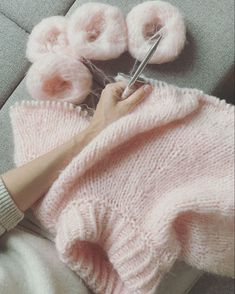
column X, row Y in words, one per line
column 130, row 87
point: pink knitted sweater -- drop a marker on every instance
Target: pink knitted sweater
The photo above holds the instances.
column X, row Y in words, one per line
column 154, row 186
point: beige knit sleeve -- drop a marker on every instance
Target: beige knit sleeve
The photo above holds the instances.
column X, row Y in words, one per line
column 10, row 214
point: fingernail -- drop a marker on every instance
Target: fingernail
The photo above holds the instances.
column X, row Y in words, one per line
column 148, row 89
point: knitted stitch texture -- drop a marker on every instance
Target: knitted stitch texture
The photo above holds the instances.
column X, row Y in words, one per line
column 154, row 186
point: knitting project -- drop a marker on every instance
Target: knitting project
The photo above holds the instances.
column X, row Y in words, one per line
column 155, row 186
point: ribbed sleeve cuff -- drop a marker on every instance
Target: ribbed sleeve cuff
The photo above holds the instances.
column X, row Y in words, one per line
column 10, row 214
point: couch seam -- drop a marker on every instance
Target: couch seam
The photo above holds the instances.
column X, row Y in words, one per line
column 25, row 30
column 17, row 84
column 9, row 18
column 69, row 7
column 193, row 283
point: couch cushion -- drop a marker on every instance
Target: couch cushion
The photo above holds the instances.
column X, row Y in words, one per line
column 208, row 55
column 28, row 13
column 13, row 63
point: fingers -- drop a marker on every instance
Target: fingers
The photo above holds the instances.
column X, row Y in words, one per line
column 137, row 96
column 115, row 90
column 117, row 86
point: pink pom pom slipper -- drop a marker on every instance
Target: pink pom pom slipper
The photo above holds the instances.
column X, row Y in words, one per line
column 48, row 36
column 144, row 20
column 97, row 31
column 59, row 77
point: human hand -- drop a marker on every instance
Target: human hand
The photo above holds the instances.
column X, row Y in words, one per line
column 111, row 107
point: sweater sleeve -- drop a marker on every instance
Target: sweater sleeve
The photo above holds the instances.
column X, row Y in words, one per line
column 10, row 214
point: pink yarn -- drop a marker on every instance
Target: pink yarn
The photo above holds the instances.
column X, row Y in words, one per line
column 144, row 20
column 47, row 36
column 154, row 186
column 97, row 31
column 59, row 77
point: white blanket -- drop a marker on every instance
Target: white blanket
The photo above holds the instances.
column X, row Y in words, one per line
column 29, row 265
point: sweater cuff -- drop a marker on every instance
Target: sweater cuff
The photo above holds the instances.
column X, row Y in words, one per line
column 10, row 214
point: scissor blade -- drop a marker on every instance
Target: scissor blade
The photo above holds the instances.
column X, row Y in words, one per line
column 145, row 62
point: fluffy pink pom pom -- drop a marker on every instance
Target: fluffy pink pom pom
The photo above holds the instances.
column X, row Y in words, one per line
column 47, row 36
column 59, row 77
column 144, row 20
column 97, row 31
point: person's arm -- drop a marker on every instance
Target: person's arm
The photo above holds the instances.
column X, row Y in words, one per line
column 29, row 182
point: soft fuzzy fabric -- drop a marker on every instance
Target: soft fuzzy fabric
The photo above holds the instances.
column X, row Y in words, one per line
column 30, row 265
column 49, row 35
column 97, row 31
column 154, row 186
column 144, row 20
column 59, row 77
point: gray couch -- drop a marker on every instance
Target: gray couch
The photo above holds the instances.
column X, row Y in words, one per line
column 206, row 63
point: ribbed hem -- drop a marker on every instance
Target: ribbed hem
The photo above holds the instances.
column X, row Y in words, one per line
column 10, row 214
column 109, row 251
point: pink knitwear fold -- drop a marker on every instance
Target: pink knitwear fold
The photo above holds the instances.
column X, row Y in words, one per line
column 155, row 186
